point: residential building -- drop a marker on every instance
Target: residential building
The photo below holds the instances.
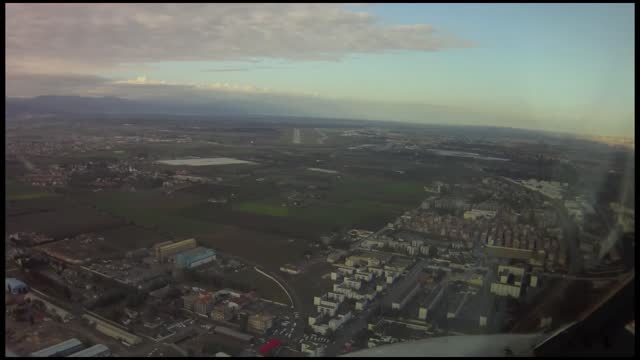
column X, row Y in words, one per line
column 222, row 312
column 508, row 252
column 475, row 214
column 260, row 323
column 203, row 304
column 313, row 349
column 188, row 301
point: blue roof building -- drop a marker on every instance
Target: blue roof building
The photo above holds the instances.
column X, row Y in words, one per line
column 15, row 286
column 98, row 350
column 64, row 348
column 195, row 257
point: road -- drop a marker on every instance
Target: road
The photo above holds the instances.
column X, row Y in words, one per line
column 299, row 322
column 351, row 328
column 296, row 136
column 605, row 276
column 276, row 281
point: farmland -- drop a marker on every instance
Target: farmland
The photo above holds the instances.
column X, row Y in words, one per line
column 19, row 191
column 276, row 205
column 63, row 221
column 262, row 208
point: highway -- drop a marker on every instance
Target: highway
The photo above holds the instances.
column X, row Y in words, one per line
column 606, row 276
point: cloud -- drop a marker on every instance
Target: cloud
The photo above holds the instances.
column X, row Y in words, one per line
column 217, row 86
column 105, row 35
column 29, row 85
column 262, row 101
column 26, row 84
column 234, row 69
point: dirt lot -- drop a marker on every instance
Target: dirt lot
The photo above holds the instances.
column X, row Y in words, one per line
column 270, row 251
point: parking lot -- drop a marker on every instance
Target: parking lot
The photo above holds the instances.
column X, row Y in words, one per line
column 315, row 339
column 282, row 328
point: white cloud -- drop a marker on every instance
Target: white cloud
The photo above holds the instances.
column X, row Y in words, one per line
column 29, row 85
column 217, row 86
column 104, row 35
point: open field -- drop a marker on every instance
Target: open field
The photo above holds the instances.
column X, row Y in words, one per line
column 129, row 237
column 264, row 287
column 62, row 222
column 19, row 191
column 76, row 249
column 310, row 283
column 205, row 162
column 367, row 203
column 153, row 210
column 262, row 208
column 243, row 212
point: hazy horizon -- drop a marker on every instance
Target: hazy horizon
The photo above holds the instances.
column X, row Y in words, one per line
column 552, row 67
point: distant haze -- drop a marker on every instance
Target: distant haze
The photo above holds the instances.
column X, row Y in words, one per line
column 556, row 67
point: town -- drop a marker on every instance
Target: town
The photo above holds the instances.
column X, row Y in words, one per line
column 412, row 256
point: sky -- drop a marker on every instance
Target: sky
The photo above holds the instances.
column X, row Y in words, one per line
column 557, row 67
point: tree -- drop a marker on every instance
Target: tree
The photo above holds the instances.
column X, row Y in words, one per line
column 151, row 312
column 136, row 299
column 307, row 254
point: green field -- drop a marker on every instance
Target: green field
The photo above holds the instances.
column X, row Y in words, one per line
column 64, row 221
column 30, row 196
column 19, row 191
column 261, row 208
column 351, row 213
column 350, row 202
column 402, row 192
column 154, row 210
